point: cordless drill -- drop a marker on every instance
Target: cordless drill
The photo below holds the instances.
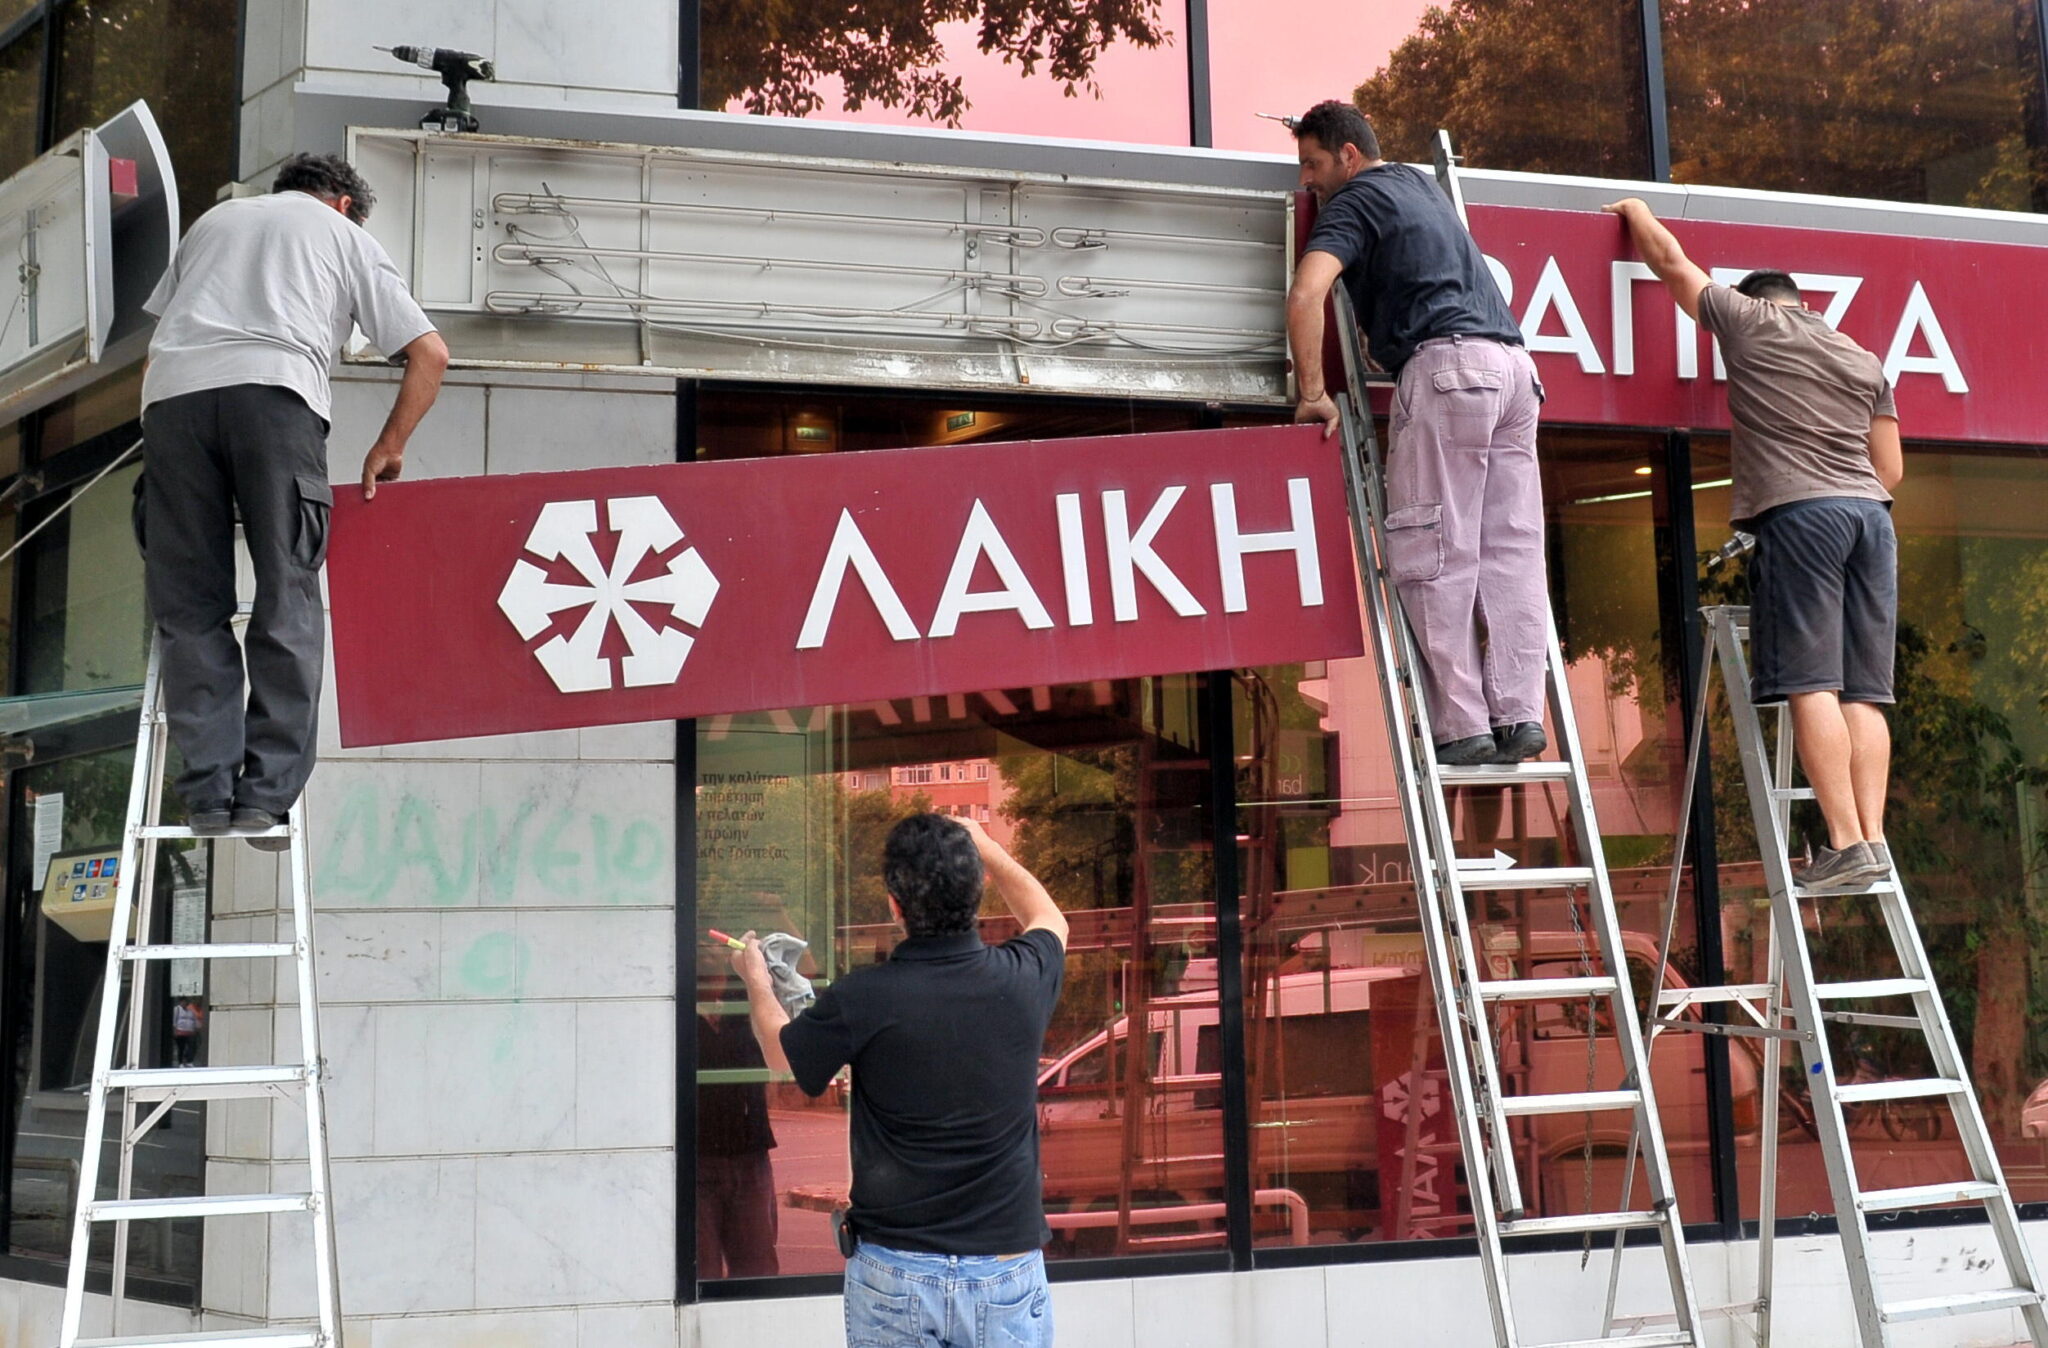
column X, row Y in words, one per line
column 456, row 69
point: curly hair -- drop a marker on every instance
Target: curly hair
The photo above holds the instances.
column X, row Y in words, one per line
column 1336, row 124
column 329, row 177
column 933, row 871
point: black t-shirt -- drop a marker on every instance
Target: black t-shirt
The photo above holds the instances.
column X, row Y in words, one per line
column 944, row 1040
column 732, row 1116
column 1413, row 271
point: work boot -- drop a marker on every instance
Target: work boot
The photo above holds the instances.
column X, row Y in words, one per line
column 209, row 821
column 1847, row 871
column 1513, row 743
column 249, row 818
column 1466, row 753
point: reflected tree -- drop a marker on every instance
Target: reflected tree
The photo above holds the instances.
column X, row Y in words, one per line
column 777, row 56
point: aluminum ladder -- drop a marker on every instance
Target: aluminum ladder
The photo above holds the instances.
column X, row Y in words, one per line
column 1793, row 1005
column 158, row 1089
column 1465, row 997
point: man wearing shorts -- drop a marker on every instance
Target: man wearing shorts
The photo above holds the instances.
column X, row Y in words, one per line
column 1815, row 456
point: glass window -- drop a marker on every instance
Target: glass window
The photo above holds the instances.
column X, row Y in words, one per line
column 1089, row 69
column 1936, row 102
column 181, row 55
column 1543, row 88
column 58, row 962
column 1967, row 822
column 82, row 622
column 1099, row 788
column 21, row 93
column 1350, row 1123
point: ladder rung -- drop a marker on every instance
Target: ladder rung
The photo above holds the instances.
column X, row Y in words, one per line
column 211, row 951
column 1505, row 774
column 1873, row 987
column 219, row 1338
column 1921, row 1089
column 1928, row 1195
column 1526, row 877
column 1546, row 989
column 1958, row 1303
column 203, row 1205
column 1662, row 1339
column 204, row 1083
column 1730, row 992
column 1576, row 1223
column 1874, row 887
column 1791, row 793
column 1575, row 1102
column 181, row 831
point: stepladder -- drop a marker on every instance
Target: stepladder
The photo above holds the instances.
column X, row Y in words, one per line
column 1819, row 996
column 1483, row 1011
column 133, row 1091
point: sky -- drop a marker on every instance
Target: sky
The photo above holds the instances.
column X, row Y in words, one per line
column 1265, row 56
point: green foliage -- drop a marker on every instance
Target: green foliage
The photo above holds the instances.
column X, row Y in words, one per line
column 773, row 55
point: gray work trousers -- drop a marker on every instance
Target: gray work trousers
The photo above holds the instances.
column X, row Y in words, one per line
column 258, row 448
column 1465, row 531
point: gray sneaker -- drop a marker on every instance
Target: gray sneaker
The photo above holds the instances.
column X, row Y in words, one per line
column 1882, row 855
column 1848, row 871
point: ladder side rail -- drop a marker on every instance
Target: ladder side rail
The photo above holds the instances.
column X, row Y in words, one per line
column 1647, row 1125
column 326, row 1270
column 1829, row 1120
column 1767, row 1166
column 1974, row 1133
column 1361, row 471
column 136, row 851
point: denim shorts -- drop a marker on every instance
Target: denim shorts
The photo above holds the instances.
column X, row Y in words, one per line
column 1824, row 600
column 907, row 1299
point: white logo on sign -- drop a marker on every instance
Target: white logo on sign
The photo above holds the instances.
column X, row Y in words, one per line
column 566, row 531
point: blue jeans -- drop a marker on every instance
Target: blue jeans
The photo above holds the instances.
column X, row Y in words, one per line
column 904, row 1299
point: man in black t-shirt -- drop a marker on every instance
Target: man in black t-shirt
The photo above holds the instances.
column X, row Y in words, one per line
column 1464, row 526
column 944, row 1040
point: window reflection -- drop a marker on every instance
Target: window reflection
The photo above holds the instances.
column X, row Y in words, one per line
column 1353, row 1115
column 1090, row 69
column 1937, row 101
column 21, row 89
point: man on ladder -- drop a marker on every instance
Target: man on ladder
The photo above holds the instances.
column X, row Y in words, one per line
column 1464, row 499
column 260, row 296
column 1814, row 457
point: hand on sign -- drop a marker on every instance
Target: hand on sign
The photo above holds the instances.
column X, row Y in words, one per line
column 1322, row 408
column 381, row 464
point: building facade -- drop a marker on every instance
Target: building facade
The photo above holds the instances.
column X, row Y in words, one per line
column 531, row 1044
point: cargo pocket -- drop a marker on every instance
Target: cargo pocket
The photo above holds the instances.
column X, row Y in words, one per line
column 1469, row 400
column 136, row 513
column 1415, row 542
column 316, row 501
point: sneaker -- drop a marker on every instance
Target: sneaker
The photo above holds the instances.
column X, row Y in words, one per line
column 1847, row 871
column 209, row 821
column 249, row 818
column 1882, row 855
column 1513, row 743
column 1466, row 753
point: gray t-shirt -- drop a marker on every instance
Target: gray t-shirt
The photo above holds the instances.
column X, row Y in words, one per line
column 1801, row 396
column 264, row 290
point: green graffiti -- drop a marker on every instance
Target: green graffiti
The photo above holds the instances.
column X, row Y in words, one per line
column 400, row 850
column 495, row 965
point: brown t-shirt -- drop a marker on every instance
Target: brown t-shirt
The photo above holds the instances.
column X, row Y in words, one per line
column 1801, row 396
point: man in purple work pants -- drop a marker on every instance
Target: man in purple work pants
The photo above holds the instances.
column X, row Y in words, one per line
column 1464, row 527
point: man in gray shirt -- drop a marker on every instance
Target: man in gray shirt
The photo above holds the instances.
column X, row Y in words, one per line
column 1815, row 453
column 261, row 295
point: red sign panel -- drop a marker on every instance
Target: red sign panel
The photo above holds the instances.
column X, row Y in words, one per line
column 478, row 606
column 1956, row 323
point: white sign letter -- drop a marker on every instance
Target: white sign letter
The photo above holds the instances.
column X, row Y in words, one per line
column 981, row 539
column 1074, row 560
column 850, row 548
column 1130, row 552
column 1919, row 317
column 1626, row 274
column 1552, row 292
column 1299, row 539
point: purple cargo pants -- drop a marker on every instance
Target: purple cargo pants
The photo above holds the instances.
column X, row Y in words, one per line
column 1465, row 531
